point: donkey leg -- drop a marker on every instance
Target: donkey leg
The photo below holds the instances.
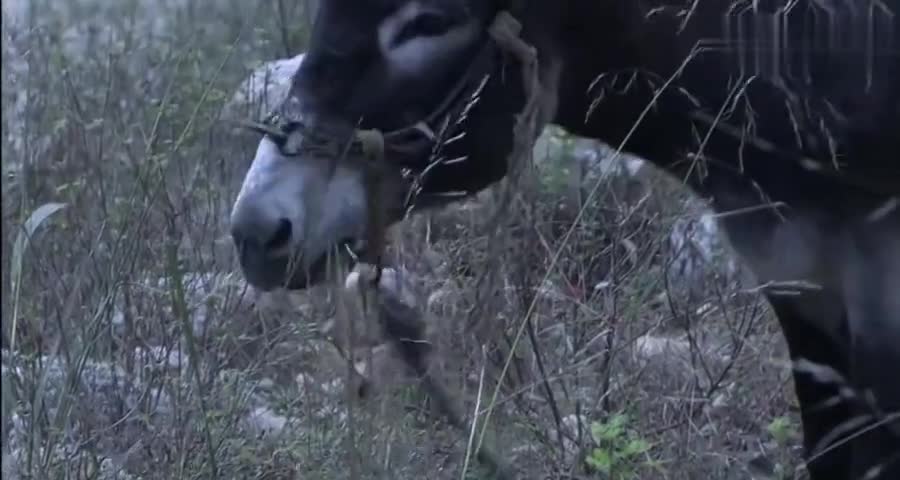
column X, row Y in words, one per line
column 872, row 289
column 821, row 409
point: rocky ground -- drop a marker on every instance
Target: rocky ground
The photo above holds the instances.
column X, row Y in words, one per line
column 133, row 349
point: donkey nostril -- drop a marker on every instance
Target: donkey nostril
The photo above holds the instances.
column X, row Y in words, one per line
column 282, row 235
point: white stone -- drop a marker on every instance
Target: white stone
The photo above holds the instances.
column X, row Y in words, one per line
column 266, row 87
column 649, row 346
column 264, row 420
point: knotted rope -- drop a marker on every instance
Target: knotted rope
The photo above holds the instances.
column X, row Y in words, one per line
column 505, row 31
column 376, row 190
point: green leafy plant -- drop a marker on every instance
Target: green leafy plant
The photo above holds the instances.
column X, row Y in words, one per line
column 620, row 450
column 781, row 429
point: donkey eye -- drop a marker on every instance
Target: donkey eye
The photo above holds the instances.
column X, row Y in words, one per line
column 424, row 25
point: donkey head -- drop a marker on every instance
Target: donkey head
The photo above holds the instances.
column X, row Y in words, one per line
column 426, row 75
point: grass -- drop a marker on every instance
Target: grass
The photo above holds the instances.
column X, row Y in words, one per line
column 132, row 348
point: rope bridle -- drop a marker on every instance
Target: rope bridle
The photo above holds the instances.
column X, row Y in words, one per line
column 400, row 152
column 439, row 127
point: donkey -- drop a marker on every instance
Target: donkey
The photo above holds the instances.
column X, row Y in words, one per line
column 783, row 114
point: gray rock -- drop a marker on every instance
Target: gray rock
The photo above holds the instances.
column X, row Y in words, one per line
column 263, row 90
column 263, row 420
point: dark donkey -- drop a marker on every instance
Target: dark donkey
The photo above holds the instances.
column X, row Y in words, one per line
column 785, row 114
